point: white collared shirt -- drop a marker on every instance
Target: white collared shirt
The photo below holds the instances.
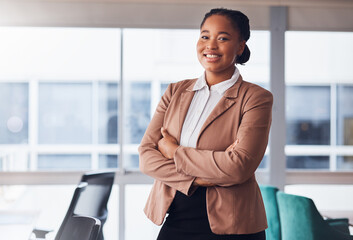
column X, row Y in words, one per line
column 202, row 104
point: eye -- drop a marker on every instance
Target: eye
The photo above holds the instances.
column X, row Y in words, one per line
column 204, row 37
column 223, row 39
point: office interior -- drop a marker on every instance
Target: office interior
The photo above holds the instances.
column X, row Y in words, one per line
column 80, row 80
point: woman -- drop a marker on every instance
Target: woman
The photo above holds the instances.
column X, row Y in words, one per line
column 205, row 141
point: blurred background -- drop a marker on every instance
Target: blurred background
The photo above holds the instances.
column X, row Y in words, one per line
column 80, row 80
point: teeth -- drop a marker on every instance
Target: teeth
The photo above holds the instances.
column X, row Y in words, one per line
column 211, row 56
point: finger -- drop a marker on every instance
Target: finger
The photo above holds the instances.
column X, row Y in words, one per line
column 159, row 145
column 164, row 132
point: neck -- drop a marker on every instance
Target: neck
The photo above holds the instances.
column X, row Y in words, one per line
column 213, row 78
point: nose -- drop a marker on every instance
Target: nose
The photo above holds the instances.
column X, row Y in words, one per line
column 212, row 44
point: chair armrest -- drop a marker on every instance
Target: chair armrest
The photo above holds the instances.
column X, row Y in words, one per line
column 40, row 233
column 339, row 224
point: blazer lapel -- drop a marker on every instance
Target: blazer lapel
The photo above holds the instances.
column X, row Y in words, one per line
column 228, row 100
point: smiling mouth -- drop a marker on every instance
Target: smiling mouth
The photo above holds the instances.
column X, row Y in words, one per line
column 212, row 56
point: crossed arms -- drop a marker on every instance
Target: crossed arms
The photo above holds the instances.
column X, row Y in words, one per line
column 183, row 168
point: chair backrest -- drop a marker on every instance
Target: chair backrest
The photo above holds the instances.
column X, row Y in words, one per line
column 80, row 228
column 300, row 219
column 91, row 200
column 78, row 191
column 269, row 195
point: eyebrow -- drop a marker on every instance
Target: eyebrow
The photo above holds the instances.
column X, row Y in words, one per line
column 206, row 31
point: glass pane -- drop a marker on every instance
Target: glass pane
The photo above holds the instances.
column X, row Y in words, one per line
column 138, row 106
column 312, row 162
column 162, row 59
column 65, row 113
column 14, row 113
column 137, row 225
column 60, row 53
column 132, row 161
column 257, row 69
column 323, row 61
column 63, row 161
column 308, row 115
column 318, row 57
column 344, row 115
column 345, row 162
column 108, row 161
column 14, row 160
column 108, row 113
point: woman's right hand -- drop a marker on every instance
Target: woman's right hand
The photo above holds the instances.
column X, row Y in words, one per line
column 202, row 183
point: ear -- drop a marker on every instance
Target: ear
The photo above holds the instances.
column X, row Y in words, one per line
column 241, row 47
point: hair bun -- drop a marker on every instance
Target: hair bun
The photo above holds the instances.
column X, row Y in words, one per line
column 244, row 57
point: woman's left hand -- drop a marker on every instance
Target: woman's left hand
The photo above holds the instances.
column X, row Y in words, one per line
column 167, row 145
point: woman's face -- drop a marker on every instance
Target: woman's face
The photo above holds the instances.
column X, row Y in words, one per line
column 218, row 46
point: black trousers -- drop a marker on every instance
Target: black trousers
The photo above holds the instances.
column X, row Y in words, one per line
column 187, row 220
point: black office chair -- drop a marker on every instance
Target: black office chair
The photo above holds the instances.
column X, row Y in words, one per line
column 40, row 233
column 80, row 228
column 93, row 201
column 90, row 199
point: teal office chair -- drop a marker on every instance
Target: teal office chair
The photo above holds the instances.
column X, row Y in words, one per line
column 300, row 219
column 273, row 232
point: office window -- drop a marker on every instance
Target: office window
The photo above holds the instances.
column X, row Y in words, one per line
column 59, row 53
column 59, row 91
column 318, row 98
column 345, row 115
column 308, row 124
column 14, row 113
column 64, row 162
column 345, row 124
column 345, row 162
column 257, row 69
column 108, row 113
column 312, row 162
column 138, row 106
column 108, row 161
column 64, row 113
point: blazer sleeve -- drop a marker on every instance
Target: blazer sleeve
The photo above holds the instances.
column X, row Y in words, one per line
column 152, row 162
column 239, row 161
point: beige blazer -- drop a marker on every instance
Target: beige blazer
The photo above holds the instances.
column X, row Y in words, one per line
column 230, row 147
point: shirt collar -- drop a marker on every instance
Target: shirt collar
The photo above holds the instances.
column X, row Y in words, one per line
column 219, row 87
